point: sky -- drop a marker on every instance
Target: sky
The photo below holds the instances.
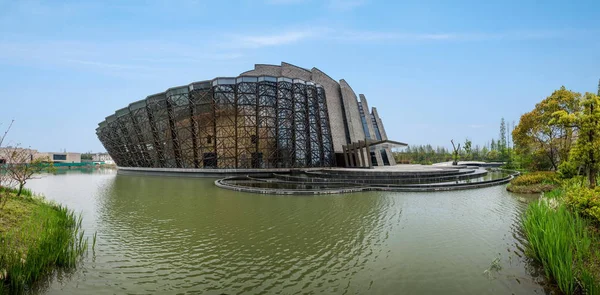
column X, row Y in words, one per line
column 435, row 70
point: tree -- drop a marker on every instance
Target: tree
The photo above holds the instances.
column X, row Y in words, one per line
column 455, row 152
column 502, row 140
column 586, row 152
column 484, row 152
column 467, row 148
column 545, row 142
column 5, row 180
column 22, row 166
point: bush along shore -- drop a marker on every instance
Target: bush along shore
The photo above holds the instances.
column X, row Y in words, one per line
column 36, row 238
column 563, row 230
column 534, row 182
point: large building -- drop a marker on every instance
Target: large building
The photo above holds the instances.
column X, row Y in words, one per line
column 274, row 116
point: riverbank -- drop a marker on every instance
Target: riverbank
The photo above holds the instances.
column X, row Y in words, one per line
column 36, row 237
column 534, row 183
column 564, row 236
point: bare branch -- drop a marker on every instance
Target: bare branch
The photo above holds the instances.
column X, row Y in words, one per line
column 6, row 132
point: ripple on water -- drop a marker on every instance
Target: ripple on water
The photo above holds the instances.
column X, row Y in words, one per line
column 171, row 235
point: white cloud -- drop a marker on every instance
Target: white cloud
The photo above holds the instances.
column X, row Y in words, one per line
column 284, row 2
column 258, row 41
column 345, row 5
column 124, row 56
column 361, row 36
column 339, row 5
column 391, row 36
column 476, row 126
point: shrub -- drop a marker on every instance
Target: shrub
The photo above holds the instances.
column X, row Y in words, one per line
column 585, row 201
column 543, row 177
column 567, row 169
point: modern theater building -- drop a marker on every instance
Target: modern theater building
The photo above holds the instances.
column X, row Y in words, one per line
column 274, row 116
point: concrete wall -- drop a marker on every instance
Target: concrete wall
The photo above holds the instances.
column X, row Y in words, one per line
column 353, row 119
column 342, row 102
column 292, row 71
column 334, row 108
column 365, row 107
column 264, row 70
column 379, row 123
column 370, row 127
column 388, row 151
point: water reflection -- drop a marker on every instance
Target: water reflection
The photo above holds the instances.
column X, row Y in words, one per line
column 176, row 235
column 198, row 237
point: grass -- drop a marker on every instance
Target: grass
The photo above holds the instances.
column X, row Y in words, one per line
column 35, row 238
column 565, row 244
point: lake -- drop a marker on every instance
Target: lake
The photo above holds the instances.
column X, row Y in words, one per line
column 170, row 235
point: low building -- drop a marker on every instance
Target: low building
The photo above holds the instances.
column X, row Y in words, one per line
column 102, row 158
column 59, row 157
column 25, row 155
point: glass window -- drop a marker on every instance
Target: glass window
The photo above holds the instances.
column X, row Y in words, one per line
column 59, row 157
column 226, row 81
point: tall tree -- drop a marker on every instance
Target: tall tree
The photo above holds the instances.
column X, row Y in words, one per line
column 544, row 141
column 586, row 152
column 502, row 140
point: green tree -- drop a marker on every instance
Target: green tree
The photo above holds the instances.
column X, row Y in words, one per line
column 502, row 140
column 468, row 150
column 484, row 152
column 542, row 141
column 586, row 151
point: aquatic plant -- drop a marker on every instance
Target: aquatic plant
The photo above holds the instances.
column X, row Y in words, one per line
column 495, row 266
column 561, row 242
column 50, row 237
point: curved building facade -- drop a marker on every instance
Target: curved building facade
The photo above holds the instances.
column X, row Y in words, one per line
column 270, row 117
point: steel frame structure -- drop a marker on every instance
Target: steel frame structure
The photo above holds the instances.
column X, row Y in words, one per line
column 226, row 123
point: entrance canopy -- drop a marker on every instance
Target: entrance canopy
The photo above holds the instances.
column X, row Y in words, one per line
column 385, row 143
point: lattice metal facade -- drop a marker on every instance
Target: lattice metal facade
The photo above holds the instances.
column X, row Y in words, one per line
column 226, row 123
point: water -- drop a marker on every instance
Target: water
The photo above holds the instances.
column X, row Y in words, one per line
column 184, row 235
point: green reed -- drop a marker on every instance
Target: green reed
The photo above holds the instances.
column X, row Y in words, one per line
column 561, row 242
column 52, row 237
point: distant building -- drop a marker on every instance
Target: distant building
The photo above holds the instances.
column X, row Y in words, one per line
column 5, row 157
column 60, row 157
column 5, row 152
column 102, row 158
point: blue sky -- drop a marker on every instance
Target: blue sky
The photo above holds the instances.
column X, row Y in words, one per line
column 436, row 70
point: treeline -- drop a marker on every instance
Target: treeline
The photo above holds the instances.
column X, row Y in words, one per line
column 562, row 133
column 497, row 150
